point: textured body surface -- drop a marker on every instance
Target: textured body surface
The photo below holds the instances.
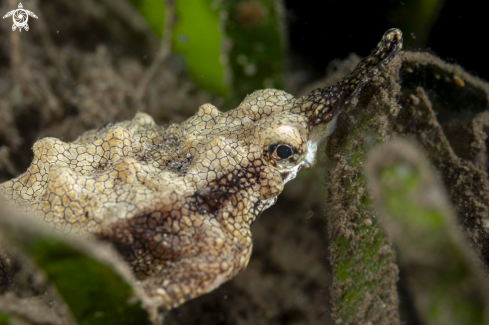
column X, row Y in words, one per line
column 178, row 202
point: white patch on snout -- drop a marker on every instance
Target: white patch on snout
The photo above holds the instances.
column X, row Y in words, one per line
column 310, row 159
column 308, row 162
column 312, row 148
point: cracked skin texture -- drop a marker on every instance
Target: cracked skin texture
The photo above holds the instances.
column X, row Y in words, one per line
column 178, row 202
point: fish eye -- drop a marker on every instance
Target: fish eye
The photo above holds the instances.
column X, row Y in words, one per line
column 282, row 151
column 285, row 147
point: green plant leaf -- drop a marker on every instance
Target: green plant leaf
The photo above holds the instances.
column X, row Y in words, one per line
column 92, row 286
column 446, row 286
column 4, row 319
column 95, row 293
column 257, row 57
column 198, row 37
column 154, row 13
column 229, row 47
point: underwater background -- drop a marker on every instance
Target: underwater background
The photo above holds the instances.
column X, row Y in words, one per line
column 334, row 249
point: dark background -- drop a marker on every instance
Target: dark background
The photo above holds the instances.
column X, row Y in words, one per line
column 320, row 31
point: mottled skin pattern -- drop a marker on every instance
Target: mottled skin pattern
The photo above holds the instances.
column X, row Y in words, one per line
column 178, row 203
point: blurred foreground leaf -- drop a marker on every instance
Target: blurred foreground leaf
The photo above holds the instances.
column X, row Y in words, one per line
column 95, row 292
column 4, row 319
column 438, row 266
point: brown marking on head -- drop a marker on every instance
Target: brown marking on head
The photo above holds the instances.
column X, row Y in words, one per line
column 178, row 202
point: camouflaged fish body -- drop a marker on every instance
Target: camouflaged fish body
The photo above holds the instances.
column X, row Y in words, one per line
column 178, row 203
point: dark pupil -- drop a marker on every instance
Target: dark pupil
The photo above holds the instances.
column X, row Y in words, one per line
column 284, row 152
